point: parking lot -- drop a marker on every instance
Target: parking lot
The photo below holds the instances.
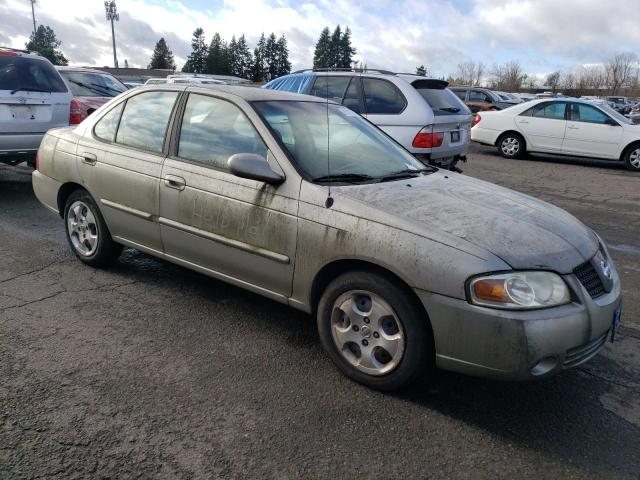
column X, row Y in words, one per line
column 150, row 370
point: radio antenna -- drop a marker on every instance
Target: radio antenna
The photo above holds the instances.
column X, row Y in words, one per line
column 329, row 202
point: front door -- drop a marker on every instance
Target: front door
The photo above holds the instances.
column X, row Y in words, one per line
column 236, row 229
column 592, row 133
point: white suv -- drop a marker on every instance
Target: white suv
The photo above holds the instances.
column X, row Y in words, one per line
column 421, row 114
column 33, row 99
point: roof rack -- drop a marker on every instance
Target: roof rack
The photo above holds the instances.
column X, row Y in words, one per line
column 359, row 70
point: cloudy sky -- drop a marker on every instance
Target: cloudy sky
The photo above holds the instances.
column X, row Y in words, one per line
column 544, row 35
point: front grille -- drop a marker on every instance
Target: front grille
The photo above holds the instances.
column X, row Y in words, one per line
column 589, row 279
column 576, row 356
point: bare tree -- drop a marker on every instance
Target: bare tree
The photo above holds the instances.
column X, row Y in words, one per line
column 468, row 73
column 553, row 80
column 619, row 70
column 508, row 76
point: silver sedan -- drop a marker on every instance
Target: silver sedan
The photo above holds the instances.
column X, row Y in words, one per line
column 305, row 202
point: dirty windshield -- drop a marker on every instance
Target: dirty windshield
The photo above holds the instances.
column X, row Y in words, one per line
column 358, row 151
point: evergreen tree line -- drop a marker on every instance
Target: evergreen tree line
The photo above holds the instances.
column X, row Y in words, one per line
column 270, row 57
column 334, row 50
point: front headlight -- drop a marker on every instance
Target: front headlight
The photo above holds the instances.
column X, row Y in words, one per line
column 519, row 290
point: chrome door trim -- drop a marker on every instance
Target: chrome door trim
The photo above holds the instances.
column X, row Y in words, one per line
column 277, row 257
column 125, row 209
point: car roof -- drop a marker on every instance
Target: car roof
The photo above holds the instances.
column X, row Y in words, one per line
column 80, row 69
column 250, row 94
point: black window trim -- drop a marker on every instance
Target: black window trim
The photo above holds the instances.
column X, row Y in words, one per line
column 177, row 130
column 165, row 145
column 364, row 96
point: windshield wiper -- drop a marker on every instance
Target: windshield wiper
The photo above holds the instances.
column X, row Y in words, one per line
column 450, row 109
column 106, row 87
column 29, row 89
column 406, row 173
column 93, row 89
column 344, row 177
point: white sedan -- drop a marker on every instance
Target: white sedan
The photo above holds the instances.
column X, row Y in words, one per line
column 560, row 126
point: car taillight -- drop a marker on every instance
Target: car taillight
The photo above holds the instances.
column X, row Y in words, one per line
column 75, row 113
column 37, row 161
column 476, row 120
column 428, row 139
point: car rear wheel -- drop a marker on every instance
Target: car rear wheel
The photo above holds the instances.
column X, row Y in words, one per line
column 511, row 145
column 373, row 331
column 632, row 158
column 87, row 232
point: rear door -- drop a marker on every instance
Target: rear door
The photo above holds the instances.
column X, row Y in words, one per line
column 384, row 104
column 544, row 126
column 591, row 132
column 33, row 99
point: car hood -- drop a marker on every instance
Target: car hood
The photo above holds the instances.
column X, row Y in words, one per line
column 524, row 232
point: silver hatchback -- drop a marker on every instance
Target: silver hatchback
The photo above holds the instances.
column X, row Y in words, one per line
column 305, row 202
column 33, row 99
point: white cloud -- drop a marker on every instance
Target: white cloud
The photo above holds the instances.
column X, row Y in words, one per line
column 543, row 34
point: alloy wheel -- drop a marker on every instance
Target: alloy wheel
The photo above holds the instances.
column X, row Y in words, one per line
column 634, row 159
column 510, row 146
column 82, row 228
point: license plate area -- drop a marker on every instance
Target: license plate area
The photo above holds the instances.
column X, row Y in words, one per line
column 455, row 136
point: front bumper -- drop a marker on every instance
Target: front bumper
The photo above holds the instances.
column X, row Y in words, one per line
column 520, row 345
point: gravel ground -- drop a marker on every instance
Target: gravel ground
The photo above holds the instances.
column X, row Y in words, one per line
column 148, row 370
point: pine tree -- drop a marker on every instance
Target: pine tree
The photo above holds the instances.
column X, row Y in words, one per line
column 44, row 42
column 162, row 57
column 197, row 61
column 335, row 47
column 218, row 57
column 346, row 50
column 232, row 56
column 421, row 70
column 321, row 53
column 259, row 70
column 271, row 56
column 284, row 65
column 245, row 59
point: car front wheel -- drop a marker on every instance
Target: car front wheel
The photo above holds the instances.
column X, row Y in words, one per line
column 511, row 145
column 374, row 332
column 87, row 233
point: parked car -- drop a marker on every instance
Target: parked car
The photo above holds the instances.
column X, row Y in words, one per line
column 305, row 202
column 419, row 113
column 131, row 85
column 90, row 88
column 565, row 127
column 621, row 104
column 33, row 99
column 509, row 98
column 480, row 99
column 526, row 97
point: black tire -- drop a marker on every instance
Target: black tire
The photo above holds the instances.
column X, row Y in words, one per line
column 511, row 145
column 417, row 359
column 631, row 157
column 105, row 251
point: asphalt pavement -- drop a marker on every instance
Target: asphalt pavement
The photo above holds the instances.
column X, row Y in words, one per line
column 149, row 370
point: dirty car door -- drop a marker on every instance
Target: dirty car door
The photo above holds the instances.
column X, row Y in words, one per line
column 236, row 229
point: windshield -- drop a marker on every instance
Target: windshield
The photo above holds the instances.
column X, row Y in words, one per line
column 90, row 84
column 443, row 101
column 615, row 114
column 356, row 148
column 29, row 74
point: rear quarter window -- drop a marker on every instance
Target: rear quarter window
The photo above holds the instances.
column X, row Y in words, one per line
column 382, row 97
column 18, row 73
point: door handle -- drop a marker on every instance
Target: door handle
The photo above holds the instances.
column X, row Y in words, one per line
column 173, row 181
column 523, row 121
column 89, row 158
column 572, row 127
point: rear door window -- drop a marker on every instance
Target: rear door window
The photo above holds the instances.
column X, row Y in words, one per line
column 144, row 120
column 588, row 114
column 382, row 97
column 479, row 96
column 332, row 88
column 553, row 110
column 442, row 101
column 353, row 95
column 29, row 74
column 106, row 127
column 461, row 94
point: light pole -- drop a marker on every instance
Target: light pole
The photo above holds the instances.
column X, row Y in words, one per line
column 33, row 15
column 112, row 15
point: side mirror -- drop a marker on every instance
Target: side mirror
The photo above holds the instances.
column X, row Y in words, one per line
column 254, row 167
